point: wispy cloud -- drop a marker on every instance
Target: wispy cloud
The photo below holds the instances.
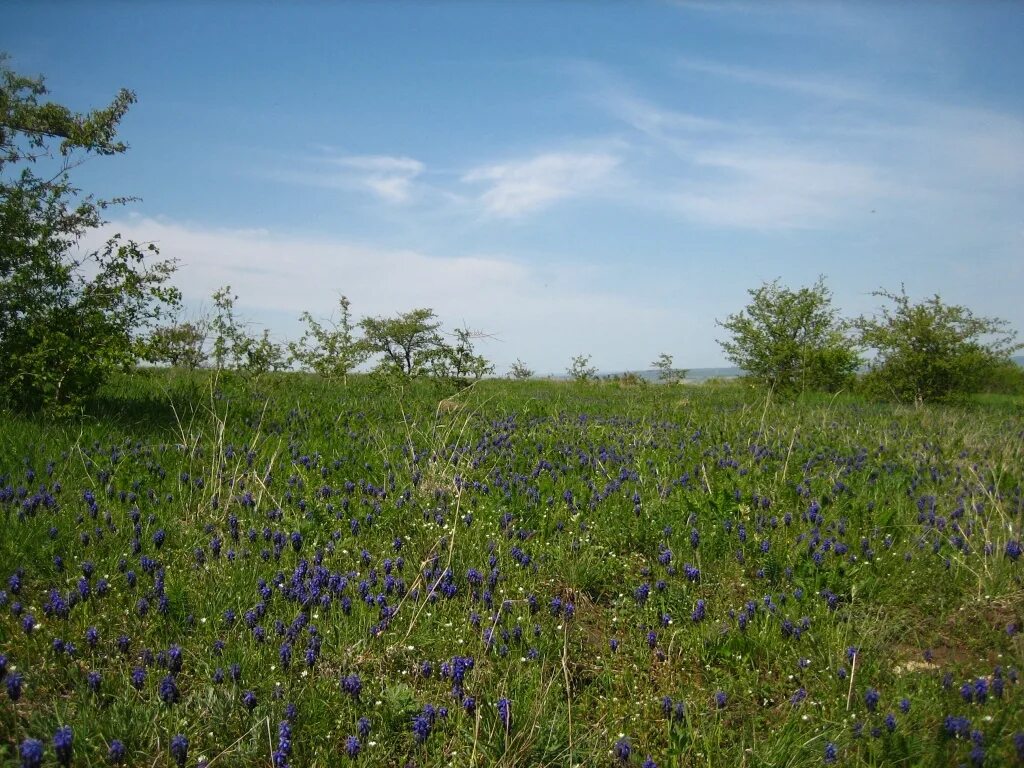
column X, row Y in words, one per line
column 808, row 167
column 390, row 178
column 806, row 84
column 517, row 188
column 780, row 189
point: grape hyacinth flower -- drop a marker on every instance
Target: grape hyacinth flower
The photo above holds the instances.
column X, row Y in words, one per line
column 831, row 753
column 31, row 752
column 352, row 747
column 169, row 690
column 179, row 749
column 63, row 740
column 871, row 698
column 116, row 752
column 721, row 699
column 1013, row 550
column 504, row 713
column 14, row 681
column 421, row 728
column 622, row 750
column 284, row 744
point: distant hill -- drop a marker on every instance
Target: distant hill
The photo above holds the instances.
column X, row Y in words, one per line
column 693, row 374
column 1019, row 360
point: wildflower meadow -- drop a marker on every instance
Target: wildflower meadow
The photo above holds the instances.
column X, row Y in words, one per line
column 536, row 573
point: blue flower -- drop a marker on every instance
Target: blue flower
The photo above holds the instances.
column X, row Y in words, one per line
column 352, row 747
column 421, row 726
column 169, row 690
column 871, row 698
column 14, row 680
column 249, row 700
column 504, row 712
column 116, row 752
column 352, row 685
column 179, row 749
column 699, row 611
column 138, row 677
column 831, row 753
column 1013, row 550
column 62, row 743
column 622, row 750
column 31, row 751
column 721, row 699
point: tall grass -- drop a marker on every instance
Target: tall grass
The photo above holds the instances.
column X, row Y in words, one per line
column 694, row 575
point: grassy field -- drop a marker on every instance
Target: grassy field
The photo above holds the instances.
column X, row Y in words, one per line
column 533, row 573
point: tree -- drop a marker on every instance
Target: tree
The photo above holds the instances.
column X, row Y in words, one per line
column 666, row 373
column 234, row 348
column 459, row 362
column 580, row 369
column 409, row 343
column 931, row 351
column 178, row 344
column 332, row 350
column 67, row 318
column 520, row 370
column 791, row 340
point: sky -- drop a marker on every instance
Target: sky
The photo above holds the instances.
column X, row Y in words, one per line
column 600, row 178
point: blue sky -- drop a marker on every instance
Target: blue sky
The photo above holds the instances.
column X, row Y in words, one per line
column 572, row 178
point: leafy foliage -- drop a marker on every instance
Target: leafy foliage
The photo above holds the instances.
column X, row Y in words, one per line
column 67, row 318
column 520, row 370
column 581, row 370
column 234, row 348
column 178, row 345
column 332, row 351
column 791, row 340
column 459, row 362
column 931, row 351
column 408, row 343
column 666, row 372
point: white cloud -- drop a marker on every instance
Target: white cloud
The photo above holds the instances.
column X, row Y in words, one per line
column 389, row 178
column 813, row 167
column 780, row 189
column 517, row 188
column 809, row 85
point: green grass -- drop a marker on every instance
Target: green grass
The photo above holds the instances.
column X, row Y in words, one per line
column 549, row 491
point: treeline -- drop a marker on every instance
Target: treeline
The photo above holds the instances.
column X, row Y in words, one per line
column 69, row 319
column 410, row 345
column 927, row 351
